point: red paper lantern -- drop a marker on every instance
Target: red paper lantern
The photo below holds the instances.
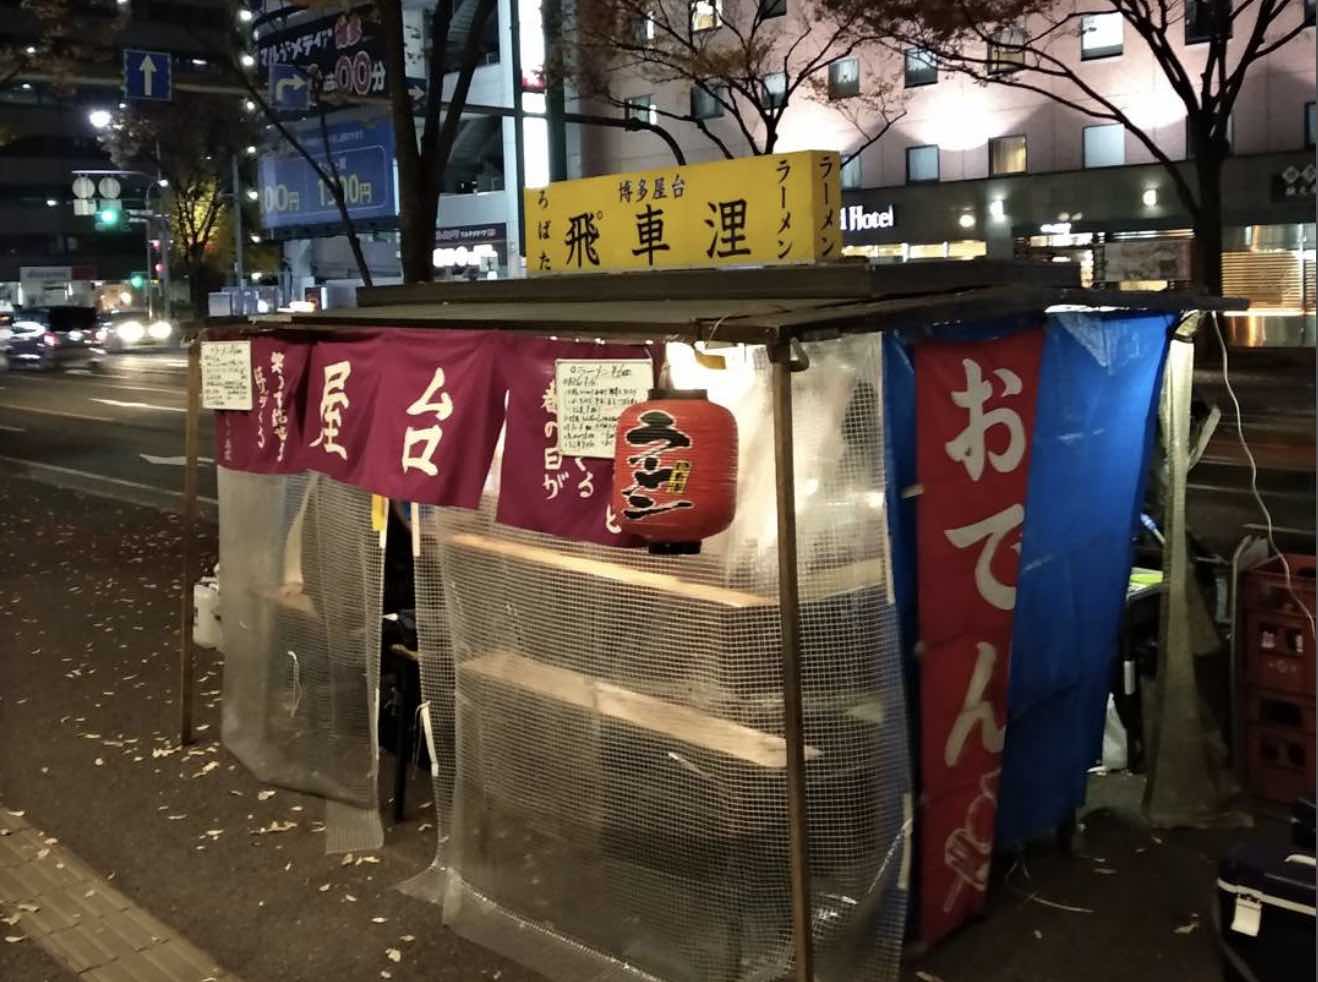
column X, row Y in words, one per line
column 675, row 470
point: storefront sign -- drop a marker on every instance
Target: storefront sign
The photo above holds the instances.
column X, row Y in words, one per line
column 1165, row 259
column 293, row 194
column 975, row 403
column 467, row 234
column 782, row 208
column 1294, row 182
column 857, row 218
column 592, row 395
column 341, row 57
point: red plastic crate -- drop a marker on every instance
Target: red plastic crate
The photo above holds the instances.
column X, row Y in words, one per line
column 1280, row 762
column 1278, row 653
column 1264, row 588
column 1280, row 710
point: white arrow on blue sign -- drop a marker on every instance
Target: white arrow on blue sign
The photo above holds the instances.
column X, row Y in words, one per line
column 290, row 89
column 148, row 75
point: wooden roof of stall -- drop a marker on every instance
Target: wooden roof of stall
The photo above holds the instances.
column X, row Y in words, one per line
column 757, row 306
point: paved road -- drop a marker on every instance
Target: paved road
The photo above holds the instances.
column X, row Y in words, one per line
column 118, row 431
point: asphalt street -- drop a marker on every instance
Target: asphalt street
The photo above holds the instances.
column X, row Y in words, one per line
column 117, row 431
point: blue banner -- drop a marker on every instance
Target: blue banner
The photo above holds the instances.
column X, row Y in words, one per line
column 292, row 194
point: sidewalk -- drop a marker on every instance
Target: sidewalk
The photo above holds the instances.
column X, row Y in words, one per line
column 89, row 612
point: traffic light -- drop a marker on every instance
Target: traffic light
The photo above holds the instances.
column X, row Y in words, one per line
column 109, row 215
column 137, row 280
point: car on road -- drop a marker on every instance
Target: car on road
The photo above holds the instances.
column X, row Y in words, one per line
column 134, row 330
column 54, row 337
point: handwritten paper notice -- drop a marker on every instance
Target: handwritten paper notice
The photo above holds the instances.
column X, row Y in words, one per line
column 226, row 374
column 591, row 396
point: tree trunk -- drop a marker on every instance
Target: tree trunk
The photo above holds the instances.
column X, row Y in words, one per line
column 1208, row 222
column 417, row 210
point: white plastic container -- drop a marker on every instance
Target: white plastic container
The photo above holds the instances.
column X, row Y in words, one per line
column 206, row 630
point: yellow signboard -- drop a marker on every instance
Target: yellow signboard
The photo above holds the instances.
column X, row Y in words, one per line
column 781, row 208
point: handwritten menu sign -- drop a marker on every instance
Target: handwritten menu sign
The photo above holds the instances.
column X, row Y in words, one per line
column 226, row 374
column 591, row 396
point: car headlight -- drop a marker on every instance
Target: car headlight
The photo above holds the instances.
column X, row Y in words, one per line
column 160, row 330
column 130, row 332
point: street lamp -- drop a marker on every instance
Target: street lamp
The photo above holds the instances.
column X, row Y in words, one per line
column 244, row 15
column 163, row 182
column 247, row 60
column 51, row 202
column 100, row 118
column 253, row 194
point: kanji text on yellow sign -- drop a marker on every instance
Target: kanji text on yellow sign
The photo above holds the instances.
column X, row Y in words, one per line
column 781, row 208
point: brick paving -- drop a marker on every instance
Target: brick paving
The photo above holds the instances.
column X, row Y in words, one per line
column 58, row 903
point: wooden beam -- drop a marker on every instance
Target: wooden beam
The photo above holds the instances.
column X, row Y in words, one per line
column 670, row 719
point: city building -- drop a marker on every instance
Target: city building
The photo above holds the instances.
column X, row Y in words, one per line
column 968, row 169
column 48, row 253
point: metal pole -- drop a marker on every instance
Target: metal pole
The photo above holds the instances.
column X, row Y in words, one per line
column 238, row 238
column 789, row 604
column 519, row 130
column 187, row 666
column 150, row 306
column 166, row 301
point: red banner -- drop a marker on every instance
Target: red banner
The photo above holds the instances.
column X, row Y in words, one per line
column 539, row 487
column 975, row 419
column 268, row 440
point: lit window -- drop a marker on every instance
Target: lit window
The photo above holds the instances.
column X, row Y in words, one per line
column 851, row 174
column 921, row 69
column 1201, row 20
column 1105, row 146
column 706, row 15
column 1006, row 155
column 641, row 107
column 772, row 8
column 705, row 103
column 775, row 90
column 1006, row 51
column 1101, row 35
column 843, row 78
column 921, row 164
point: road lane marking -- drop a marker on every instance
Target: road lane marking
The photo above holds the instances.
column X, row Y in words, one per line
column 120, row 382
column 173, row 461
column 55, row 412
column 12, row 429
column 139, row 405
column 102, row 479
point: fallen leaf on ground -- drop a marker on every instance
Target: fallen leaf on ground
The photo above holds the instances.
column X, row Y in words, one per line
column 927, row 977
column 424, row 827
column 409, row 938
column 28, row 908
column 385, row 974
column 366, row 859
column 393, row 954
column 17, row 814
column 1038, row 934
column 11, row 920
column 43, row 853
column 207, row 769
column 378, row 920
column 264, row 795
column 1188, row 928
column 323, row 887
column 350, row 898
column 14, row 938
column 347, row 860
column 99, row 762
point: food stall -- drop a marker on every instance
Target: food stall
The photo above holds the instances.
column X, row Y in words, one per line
column 695, row 763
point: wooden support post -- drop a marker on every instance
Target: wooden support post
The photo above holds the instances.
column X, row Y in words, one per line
column 789, row 602
column 192, row 421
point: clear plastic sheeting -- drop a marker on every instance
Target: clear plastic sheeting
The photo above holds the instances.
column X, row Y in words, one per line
column 301, row 572
column 619, row 793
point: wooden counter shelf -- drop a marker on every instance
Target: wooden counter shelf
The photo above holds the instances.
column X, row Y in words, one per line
column 613, row 701
column 814, row 585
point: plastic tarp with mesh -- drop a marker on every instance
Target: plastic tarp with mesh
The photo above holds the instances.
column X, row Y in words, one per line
column 301, row 571
column 607, row 725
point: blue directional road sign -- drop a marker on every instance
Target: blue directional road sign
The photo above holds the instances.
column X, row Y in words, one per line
column 290, row 88
column 148, row 75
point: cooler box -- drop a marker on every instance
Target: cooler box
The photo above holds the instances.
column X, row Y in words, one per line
column 1265, row 896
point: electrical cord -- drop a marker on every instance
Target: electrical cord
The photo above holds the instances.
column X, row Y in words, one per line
column 1254, row 475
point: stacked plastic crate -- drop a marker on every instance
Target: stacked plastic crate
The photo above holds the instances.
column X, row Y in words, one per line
column 1277, row 650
